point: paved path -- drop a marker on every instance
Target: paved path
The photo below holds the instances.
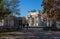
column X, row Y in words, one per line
column 32, row 33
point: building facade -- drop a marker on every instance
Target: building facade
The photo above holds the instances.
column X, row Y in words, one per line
column 11, row 21
column 1, row 22
column 34, row 18
column 8, row 21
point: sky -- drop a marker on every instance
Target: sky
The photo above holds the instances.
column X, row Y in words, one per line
column 28, row 5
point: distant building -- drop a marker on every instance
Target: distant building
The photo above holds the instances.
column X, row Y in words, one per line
column 34, row 18
column 8, row 21
column 1, row 22
column 12, row 21
column 23, row 20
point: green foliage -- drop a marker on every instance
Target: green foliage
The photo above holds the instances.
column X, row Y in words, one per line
column 2, row 10
column 9, row 7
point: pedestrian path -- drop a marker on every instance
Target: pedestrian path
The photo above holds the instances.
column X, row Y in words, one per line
column 32, row 33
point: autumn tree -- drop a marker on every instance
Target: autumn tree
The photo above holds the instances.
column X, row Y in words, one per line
column 51, row 8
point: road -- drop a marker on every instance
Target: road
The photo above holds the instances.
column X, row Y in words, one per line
column 31, row 33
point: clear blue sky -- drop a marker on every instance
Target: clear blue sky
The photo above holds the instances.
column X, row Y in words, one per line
column 27, row 5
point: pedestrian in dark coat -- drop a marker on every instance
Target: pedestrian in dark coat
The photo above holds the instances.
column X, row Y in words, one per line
column 23, row 25
column 27, row 26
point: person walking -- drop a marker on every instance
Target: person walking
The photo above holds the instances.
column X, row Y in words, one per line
column 23, row 25
column 27, row 26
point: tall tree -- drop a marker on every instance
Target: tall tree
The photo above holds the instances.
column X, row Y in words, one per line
column 13, row 5
column 51, row 8
column 9, row 7
column 2, row 10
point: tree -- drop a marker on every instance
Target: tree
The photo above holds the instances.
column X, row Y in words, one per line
column 2, row 10
column 51, row 8
column 9, row 7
